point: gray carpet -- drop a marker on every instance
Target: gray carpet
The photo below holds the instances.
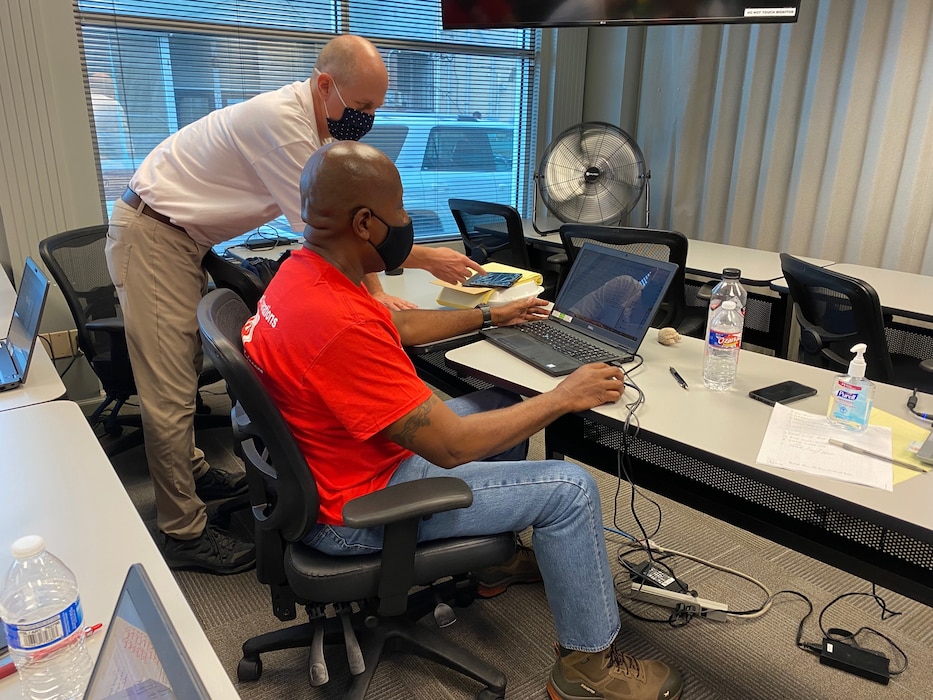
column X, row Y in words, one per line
column 734, row 660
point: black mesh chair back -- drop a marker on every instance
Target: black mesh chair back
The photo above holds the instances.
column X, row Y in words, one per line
column 77, row 263
column 491, row 232
column 369, row 593
column 670, row 246
column 835, row 312
column 289, row 502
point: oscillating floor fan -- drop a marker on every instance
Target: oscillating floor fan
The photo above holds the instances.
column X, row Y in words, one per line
column 592, row 173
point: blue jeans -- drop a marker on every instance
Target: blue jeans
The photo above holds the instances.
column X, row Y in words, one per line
column 558, row 499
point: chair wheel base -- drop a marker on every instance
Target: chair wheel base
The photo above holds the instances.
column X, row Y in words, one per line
column 249, row 669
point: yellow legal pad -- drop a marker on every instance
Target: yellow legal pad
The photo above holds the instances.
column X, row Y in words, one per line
column 903, row 432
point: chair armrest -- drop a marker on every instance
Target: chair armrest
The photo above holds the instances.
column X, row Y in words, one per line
column 927, row 365
column 111, row 325
column 411, row 500
column 705, row 293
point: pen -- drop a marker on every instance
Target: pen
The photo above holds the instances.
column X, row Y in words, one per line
column 8, row 668
column 680, row 380
column 861, row 451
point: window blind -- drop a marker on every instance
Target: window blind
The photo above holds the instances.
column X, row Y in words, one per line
column 458, row 115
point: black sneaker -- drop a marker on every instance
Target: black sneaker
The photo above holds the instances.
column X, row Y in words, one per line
column 214, row 551
column 216, row 484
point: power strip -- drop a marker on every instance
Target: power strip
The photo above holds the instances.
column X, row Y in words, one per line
column 671, row 599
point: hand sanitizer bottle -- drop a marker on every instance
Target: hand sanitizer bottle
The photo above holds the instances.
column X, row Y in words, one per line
column 850, row 399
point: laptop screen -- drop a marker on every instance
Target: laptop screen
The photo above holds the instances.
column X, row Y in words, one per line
column 142, row 657
column 612, row 291
column 24, row 326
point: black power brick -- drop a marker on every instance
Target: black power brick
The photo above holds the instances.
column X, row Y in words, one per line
column 856, row 660
column 650, row 575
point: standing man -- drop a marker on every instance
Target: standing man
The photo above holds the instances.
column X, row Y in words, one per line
column 333, row 362
column 223, row 175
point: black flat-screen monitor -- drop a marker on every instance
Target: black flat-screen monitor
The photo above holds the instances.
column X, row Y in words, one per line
column 491, row 14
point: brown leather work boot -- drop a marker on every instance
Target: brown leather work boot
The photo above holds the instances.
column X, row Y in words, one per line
column 521, row 568
column 611, row 675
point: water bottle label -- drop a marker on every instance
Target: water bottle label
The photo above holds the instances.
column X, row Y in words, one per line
column 726, row 341
column 37, row 635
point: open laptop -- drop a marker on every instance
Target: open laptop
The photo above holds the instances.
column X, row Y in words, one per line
column 601, row 314
column 142, row 656
column 17, row 348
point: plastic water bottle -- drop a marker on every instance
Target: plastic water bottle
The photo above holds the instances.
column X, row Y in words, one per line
column 729, row 287
column 722, row 347
column 44, row 624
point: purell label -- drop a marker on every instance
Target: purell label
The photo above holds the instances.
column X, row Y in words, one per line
column 847, row 395
column 850, row 387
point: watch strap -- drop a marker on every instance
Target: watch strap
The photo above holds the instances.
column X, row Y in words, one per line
column 487, row 315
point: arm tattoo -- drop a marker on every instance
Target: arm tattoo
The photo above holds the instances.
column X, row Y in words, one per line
column 416, row 419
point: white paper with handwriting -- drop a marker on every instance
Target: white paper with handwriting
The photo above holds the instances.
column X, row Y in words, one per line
column 799, row 441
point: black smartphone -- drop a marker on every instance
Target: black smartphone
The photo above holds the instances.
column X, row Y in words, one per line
column 784, row 392
column 494, row 279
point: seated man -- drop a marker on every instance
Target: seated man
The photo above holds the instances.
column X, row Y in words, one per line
column 333, row 360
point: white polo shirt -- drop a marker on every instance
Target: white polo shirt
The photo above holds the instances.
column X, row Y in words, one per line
column 235, row 168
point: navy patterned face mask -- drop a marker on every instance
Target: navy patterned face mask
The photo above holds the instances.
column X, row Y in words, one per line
column 353, row 125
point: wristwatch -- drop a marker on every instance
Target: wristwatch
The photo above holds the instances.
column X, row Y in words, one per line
column 487, row 315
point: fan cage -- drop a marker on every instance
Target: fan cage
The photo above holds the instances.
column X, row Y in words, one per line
column 592, row 173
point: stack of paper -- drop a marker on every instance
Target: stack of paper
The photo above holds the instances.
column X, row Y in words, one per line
column 799, row 441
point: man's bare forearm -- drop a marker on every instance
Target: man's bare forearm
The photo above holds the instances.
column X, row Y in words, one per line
column 417, row 326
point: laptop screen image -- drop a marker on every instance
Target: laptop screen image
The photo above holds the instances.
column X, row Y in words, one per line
column 142, row 657
column 614, row 292
column 24, row 325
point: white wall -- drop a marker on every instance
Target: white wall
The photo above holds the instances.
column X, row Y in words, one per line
column 812, row 138
column 47, row 165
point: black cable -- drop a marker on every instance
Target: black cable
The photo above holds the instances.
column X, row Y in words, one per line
column 846, row 637
column 912, row 406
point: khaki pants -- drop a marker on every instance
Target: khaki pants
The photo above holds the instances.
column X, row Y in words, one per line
column 159, row 279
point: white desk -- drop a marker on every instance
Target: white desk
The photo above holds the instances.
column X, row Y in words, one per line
column 704, row 258
column 703, row 445
column 900, row 293
column 59, row 484
column 758, row 267
column 42, row 382
column 413, row 285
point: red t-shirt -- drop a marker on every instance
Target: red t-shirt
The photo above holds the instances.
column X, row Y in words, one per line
column 333, row 362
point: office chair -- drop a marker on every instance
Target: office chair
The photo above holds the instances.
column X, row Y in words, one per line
column 77, row 263
column 494, row 232
column 285, row 507
column 834, row 312
column 228, row 274
column 650, row 243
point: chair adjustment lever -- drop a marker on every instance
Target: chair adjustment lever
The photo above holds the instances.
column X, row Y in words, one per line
column 317, row 669
column 354, row 653
column 444, row 615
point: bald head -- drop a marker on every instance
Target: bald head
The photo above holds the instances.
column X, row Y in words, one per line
column 347, row 55
column 355, row 65
column 350, row 194
column 343, row 176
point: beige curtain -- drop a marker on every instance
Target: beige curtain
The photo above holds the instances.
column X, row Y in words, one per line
column 814, row 138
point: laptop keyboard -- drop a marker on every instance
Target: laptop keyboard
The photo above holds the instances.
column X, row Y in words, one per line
column 565, row 343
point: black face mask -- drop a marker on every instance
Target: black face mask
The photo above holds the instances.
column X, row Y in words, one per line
column 396, row 247
column 352, row 125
